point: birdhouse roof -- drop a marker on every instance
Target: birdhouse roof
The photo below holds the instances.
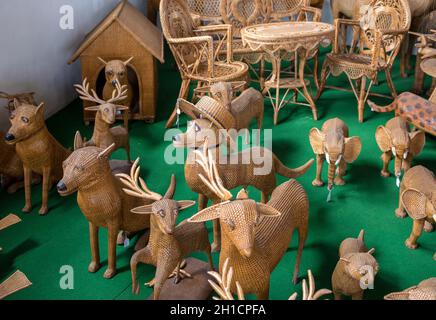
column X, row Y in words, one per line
column 135, row 23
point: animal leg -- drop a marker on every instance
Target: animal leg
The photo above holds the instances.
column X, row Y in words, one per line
column 324, row 74
column 179, row 274
column 386, row 157
column 27, row 189
column 319, row 162
column 400, row 213
column 339, row 179
column 143, row 256
column 46, row 182
column 112, row 254
column 418, row 226
column 361, row 105
column 428, row 227
column 357, row 296
column 216, row 245
column 95, row 251
column 164, row 267
column 264, row 197
column 302, row 235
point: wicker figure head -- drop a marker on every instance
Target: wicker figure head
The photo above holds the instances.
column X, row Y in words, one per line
column 25, row 120
column 361, row 266
column 84, row 167
column 223, row 91
column 164, row 208
column 106, row 108
column 115, row 71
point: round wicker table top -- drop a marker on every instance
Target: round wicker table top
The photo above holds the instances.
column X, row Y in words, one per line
column 287, row 36
column 429, row 67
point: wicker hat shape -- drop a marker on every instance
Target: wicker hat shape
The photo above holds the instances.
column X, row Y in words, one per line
column 210, row 109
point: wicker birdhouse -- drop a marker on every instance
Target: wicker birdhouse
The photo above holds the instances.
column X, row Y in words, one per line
column 125, row 33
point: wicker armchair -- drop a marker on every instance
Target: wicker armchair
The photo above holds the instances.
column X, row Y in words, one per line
column 195, row 50
column 376, row 41
column 243, row 13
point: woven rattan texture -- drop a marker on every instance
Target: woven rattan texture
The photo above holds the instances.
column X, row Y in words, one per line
column 425, row 290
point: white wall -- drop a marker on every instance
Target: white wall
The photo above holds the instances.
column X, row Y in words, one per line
column 34, row 50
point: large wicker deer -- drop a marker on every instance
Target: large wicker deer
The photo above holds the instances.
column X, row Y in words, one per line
column 104, row 135
column 250, row 167
column 255, row 236
column 39, row 151
column 169, row 243
column 101, row 199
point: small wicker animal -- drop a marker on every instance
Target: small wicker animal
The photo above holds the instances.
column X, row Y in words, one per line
column 425, row 290
column 207, row 132
column 248, row 105
column 418, row 198
column 116, row 74
column 168, row 243
column 104, row 135
column 355, row 270
column 39, row 151
column 11, row 166
column 255, row 236
column 27, row 98
column 396, row 141
column 101, row 199
column 334, row 145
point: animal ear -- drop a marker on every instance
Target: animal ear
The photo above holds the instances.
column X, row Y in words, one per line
column 352, row 149
column 403, row 295
column 17, row 103
column 417, row 141
column 371, row 251
column 106, row 152
column 93, row 108
column 347, row 261
column 238, row 86
column 414, row 202
column 383, row 138
column 171, row 188
column 242, row 195
column 40, row 109
column 316, row 139
column 78, row 141
column 207, row 214
column 122, row 108
column 185, row 204
column 128, row 61
column 147, row 209
column 266, row 210
column 102, row 61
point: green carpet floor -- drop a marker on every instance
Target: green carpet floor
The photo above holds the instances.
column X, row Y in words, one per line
column 39, row 246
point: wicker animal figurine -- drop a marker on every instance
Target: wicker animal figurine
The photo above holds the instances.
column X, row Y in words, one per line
column 425, row 290
column 255, row 236
column 27, row 98
column 39, row 151
column 104, row 135
column 334, row 145
column 168, row 244
column 207, row 131
column 101, row 199
column 355, row 270
column 396, row 141
column 248, row 105
column 418, row 199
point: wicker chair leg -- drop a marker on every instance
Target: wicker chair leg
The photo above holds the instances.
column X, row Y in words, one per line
column 391, row 85
column 315, row 71
column 262, row 74
column 361, row 105
column 183, row 94
column 324, row 73
column 418, row 83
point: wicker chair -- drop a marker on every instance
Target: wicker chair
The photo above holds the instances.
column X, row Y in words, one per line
column 195, row 51
column 243, row 13
column 376, row 42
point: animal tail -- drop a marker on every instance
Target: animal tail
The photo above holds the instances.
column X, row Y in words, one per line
column 388, row 108
column 302, row 235
column 361, row 235
column 282, row 170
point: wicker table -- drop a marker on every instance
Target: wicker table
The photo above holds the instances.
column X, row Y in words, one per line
column 279, row 40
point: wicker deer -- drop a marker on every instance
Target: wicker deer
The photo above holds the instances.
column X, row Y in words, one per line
column 355, row 270
column 168, row 243
column 334, row 145
column 104, row 135
column 425, row 290
column 207, row 131
column 396, row 141
column 39, row 151
column 248, row 105
column 418, row 199
column 101, row 199
column 255, row 236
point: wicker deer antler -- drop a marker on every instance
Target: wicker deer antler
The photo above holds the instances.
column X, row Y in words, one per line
column 309, row 293
column 223, row 283
column 119, row 93
column 136, row 185
column 213, row 180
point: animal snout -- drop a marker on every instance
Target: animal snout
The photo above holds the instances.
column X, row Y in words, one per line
column 61, row 186
column 9, row 137
column 114, row 83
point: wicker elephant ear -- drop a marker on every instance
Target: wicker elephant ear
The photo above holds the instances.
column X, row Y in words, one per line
column 402, row 295
column 316, row 139
column 417, row 142
column 414, row 202
column 352, row 149
column 383, row 138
